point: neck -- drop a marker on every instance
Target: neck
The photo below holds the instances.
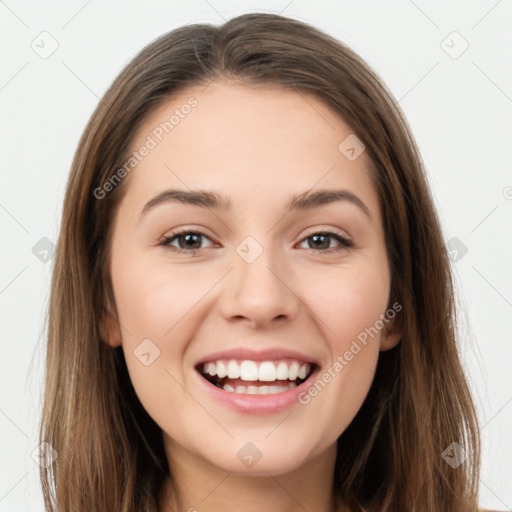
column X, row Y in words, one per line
column 202, row 486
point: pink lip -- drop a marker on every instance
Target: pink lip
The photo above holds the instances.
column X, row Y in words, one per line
column 257, row 404
column 271, row 354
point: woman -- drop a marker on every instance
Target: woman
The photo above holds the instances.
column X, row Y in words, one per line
column 305, row 357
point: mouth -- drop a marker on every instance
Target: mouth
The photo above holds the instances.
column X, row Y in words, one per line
column 249, row 377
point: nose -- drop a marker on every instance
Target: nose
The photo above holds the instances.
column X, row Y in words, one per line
column 259, row 293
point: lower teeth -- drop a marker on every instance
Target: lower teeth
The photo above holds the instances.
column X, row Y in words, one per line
column 258, row 390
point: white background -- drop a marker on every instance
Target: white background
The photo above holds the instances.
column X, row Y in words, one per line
column 460, row 111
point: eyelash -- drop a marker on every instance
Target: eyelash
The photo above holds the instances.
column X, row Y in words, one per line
column 166, row 241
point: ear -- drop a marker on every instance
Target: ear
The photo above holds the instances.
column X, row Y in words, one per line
column 391, row 334
column 110, row 330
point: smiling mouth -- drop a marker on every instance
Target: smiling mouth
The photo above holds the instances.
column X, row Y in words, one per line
column 246, row 378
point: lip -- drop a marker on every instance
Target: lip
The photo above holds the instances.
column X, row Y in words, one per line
column 257, row 404
column 270, row 354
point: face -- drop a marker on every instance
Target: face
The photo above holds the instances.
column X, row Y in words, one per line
column 254, row 288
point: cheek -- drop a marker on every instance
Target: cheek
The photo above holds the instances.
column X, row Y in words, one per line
column 349, row 303
column 152, row 301
column 163, row 307
column 155, row 305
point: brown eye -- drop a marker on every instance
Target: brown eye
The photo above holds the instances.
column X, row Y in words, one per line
column 188, row 241
column 321, row 242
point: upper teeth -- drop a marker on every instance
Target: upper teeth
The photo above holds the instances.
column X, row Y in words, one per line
column 267, row 371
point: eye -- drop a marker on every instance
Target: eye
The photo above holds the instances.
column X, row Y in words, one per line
column 191, row 241
column 321, row 240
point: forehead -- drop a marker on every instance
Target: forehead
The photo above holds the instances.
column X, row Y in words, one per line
column 249, row 143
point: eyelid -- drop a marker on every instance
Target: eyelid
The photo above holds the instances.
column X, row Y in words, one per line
column 329, row 230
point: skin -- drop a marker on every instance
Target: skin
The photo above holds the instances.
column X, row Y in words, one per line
column 258, row 146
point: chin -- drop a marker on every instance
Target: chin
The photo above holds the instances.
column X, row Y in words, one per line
column 259, row 459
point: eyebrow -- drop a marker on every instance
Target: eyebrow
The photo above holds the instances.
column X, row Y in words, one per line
column 213, row 200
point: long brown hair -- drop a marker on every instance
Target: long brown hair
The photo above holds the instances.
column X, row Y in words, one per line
column 110, row 452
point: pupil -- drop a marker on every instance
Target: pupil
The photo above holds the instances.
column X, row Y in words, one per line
column 188, row 238
column 316, row 237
